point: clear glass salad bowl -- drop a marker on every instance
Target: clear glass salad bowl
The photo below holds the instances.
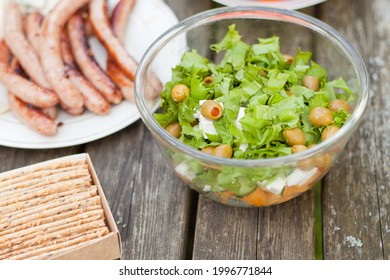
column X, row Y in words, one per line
column 252, row 182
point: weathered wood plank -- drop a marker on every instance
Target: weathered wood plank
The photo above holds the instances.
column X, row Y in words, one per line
column 224, row 232
column 352, row 227
column 286, row 231
column 379, row 68
column 116, row 159
column 160, row 209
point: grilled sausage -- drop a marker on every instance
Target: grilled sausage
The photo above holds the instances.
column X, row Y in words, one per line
column 93, row 100
column 119, row 19
column 121, row 80
column 23, row 88
column 32, row 117
column 87, row 63
column 21, row 47
column 5, row 56
column 15, row 67
column 102, row 30
column 27, row 114
column 51, row 58
column 32, row 28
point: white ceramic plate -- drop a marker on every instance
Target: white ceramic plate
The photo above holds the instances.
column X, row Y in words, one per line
column 283, row 4
column 148, row 20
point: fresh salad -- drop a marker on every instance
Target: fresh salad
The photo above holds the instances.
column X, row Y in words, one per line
column 255, row 103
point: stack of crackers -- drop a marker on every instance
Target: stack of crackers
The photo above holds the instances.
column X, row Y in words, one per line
column 49, row 209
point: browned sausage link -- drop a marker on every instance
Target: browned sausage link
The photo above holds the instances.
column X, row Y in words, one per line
column 32, row 117
column 23, row 88
column 122, row 81
column 21, row 47
column 5, row 55
column 51, row 58
column 93, row 100
column 119, row 19
column 101, row 27
column 15, row 67
column 32, row 28
column 87, row 63
column 28, row 91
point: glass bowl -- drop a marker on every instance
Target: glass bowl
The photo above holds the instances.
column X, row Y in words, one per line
column 243, row 182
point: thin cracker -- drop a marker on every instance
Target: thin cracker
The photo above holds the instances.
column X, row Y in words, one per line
column 41, row 200
column 56, row 225
column 46, row 190
column 10, row 243
column 51, row 212
column 60, row 245
column 51, row 219
column 48, row 166
column 21, row 187
column 90, row 192
column 39, row 174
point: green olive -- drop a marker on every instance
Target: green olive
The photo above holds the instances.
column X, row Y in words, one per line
column 321, row 116
column 208, row 150
column 339, row 104
column 298, row 148
column 328, row 132
column 208, row 80
column 311, row 82
column 174, row 129
column 211, row 109
column 294, row 136
column 223, row 150
column 179, row 92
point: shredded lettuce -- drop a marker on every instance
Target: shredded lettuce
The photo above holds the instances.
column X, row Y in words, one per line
column 257, row 78
column 261, row 94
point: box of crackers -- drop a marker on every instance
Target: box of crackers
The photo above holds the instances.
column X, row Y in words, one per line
column 56, row 210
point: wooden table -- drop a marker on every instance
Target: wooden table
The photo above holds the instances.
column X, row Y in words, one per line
column 160, row 218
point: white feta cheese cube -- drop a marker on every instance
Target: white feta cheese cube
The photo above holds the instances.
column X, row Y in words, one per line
column 241, row 114
column 276, row 186
column 299, row 177
column 207, row 127
column 243, row 147
column 184, row 170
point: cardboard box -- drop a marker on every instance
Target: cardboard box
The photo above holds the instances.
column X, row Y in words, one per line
column 107, row 247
